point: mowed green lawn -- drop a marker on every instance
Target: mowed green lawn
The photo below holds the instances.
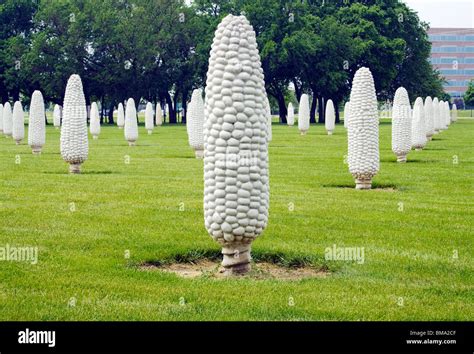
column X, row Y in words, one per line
column 417, row 233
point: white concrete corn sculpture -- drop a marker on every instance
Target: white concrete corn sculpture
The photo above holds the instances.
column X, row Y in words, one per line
column 429, row 124
column 7, row 120
column 303, row 114
column 131, row 125
column 18, row 131
column 418, row 128
column 236, row 180
column 291, row 115
column 448, row 115
column 195, row 123
column 120, row 116
column 57, row 116
column 74, row 138
column 454, row 113
column 436, row 115
column 159, row 115
column 363, row 130
column 441, row 116
column 268, row 112
column 36, row 123
column 401, row 125
column 94, row 121
column 330, row 121
column 149, row 121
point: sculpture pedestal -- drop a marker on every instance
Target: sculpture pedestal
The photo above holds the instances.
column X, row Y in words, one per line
column 36, row 150
column 363, row 183
column 75, row 168
column 401, row 158
column 199, row 153
column 236, row 259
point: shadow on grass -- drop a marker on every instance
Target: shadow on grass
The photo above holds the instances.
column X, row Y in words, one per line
column 375, row 186
column 65, row 172
column 283, row 259
column 394, row 161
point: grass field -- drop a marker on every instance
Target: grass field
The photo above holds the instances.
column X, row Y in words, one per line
column 416, row 231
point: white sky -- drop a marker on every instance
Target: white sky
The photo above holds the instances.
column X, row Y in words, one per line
column 444, row 13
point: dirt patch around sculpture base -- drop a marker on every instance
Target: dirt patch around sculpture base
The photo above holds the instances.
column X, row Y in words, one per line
column 212, row 269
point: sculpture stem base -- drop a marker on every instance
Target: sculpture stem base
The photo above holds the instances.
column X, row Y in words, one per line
column 401, row 158
column 236, row 259
column 131, row 143
column 150, row 132
column 56, row 127
column 363, row 183
column 36, row 150
column 303, row 132
column 75, row 168
column 418, row 149
column 329, row 132
column 199, row 153
column 18, row 141
column 95, row 137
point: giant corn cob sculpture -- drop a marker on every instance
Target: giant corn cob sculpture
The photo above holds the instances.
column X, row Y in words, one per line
column 57, row 116
column 363, row 130
column 18, row 131
column 418, row 129
column 94, row 121
column 74, row 138
column 441, row 116
column 120, row 116
column 454, row 113
column 330, row 117
column 448, row 115
column 159, row 115
column 291, row 115
column 236, row 184
column 436, row 115
column 195, row 123
column 303, row 114
column 36, row 123
column 149, row 122
column 268, row 112
column 401, row 125
column 7, row 120
column 131, row 125
column 429, row 124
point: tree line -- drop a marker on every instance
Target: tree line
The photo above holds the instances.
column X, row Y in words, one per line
column 157, row 50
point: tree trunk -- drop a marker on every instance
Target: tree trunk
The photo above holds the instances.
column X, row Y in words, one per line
column 282, row 110
column 322, row 110
column 336, row 108
column 297, row 90
column 111, row 113
column 175, row 105
column 312, row 113
column 102, row 107
column 185, row 106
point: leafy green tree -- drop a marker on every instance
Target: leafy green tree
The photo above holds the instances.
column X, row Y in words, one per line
column 469, row 95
